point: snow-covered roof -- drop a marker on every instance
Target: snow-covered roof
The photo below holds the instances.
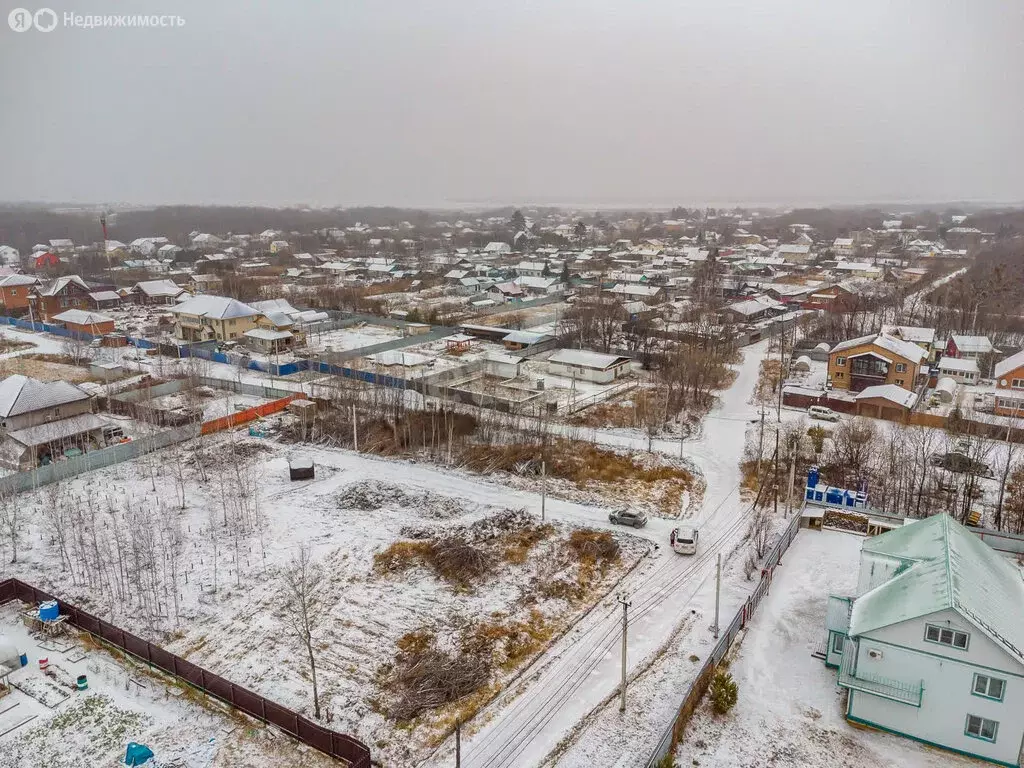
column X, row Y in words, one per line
column 974, row 344
column 398, row 357
column 632, row 289
column 267, row 335
column 914, row 334
column 20, row 394
column 902, row 348
column 526, row 337
column 586, row 359
column 959, row 365
column 946, row 567
column 889, row 392
column 1012, row 363
column 13, row 280
column 273, row 305
column 58, row 285
column 82, row 317
column 105, row 296
column 218, row 307
column 57, row 430
column 159, row 288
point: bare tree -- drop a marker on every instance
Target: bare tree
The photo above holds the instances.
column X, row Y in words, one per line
column 303, row 587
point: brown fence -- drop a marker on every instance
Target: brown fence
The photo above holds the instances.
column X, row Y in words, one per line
column 337, row 745
column 695, row 692
column 249, row 414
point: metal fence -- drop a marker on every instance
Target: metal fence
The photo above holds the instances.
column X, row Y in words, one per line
column 697, row 688
column 336, row 745
column 104, row 457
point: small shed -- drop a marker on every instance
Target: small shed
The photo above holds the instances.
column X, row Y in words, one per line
column 301, row 468
column 802, row 364
column 945, row 389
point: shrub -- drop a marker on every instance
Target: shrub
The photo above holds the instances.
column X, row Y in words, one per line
column 723, row 692
column 817, row 434
column 591, row 546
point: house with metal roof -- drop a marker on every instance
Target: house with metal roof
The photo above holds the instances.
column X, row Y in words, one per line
column 869, row 361
column 206, row 318
column 1009, row 374
column 932, row 645
column 43, row 419
column 588, row 366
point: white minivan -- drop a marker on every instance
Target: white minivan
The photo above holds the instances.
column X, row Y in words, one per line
column 823, row 413
column 684, row 540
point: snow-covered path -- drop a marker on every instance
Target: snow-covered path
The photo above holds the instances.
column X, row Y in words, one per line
column 43, row 343
column 524, row 724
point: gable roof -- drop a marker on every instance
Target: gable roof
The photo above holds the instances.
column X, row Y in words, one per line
column 979, row 344
column 20, row 394
column 9, row 281
column 890, row 392
column 159, row 288
column 82, row 317
column 959, row 364
column 899, row 347
column 1012, row 363
column 217, row 307
column 947, row 567
column 56, row 286
column 586, row 359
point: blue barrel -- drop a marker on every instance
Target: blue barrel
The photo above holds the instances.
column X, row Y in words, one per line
column 812, row 477
column 23, row 659
column 48, row 611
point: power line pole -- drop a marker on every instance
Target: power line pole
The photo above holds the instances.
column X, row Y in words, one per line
column 355, row 434
column 625, row 627
column 718, row 592
column 543, row 488
column 458, row 743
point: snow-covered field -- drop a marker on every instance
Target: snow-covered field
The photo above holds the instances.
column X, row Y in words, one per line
column 790, row 711
column 228, row 614
column 355, row 337
column 44, row 721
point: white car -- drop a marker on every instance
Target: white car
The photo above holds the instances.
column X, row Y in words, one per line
column 684, row 540
column 823, row 413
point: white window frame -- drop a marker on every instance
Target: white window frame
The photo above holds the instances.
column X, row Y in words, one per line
column 901, row 367
column 987, row 682
column 841, row 641
column 1017, row 384
column 979, row 730
column 840, row 361
column 941, row 631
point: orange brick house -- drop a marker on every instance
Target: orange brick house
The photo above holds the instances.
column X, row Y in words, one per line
column 14, row 292
column 82, row 321
column 871, row 361
column 1009, row 375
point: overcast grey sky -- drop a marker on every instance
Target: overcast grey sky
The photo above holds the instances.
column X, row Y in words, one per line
column 410, row 102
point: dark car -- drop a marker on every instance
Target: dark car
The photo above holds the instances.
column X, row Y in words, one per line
column 954, row 461
column 628, row 517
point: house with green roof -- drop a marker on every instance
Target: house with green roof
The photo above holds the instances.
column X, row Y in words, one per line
column 932, row 645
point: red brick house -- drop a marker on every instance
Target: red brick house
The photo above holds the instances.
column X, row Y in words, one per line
column 14, row 292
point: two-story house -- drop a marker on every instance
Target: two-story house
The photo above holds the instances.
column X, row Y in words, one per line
column 1009, row 375
column 209, row 318
column 968, row 347
column 14, row 292
column 932, row 645
column 870, row 361
column 156, row 292
column 923, row 337
column 40, row 420
column 68, row 292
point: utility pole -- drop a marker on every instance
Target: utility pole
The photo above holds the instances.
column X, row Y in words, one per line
column 625, row 627
column 792, row 482
column 355, row 433
column 543, row 488
column 458, row 743
column 718, row 592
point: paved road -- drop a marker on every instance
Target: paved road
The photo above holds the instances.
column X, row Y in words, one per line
column 526, row 722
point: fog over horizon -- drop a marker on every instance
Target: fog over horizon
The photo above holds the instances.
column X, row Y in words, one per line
column 453, row 104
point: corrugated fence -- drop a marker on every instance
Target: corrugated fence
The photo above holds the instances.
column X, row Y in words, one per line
column 249, row 414
column 691, row 698
column 336, row 745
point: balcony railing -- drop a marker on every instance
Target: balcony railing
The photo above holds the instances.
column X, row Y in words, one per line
column 895, row 690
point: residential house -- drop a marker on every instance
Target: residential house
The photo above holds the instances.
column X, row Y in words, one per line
column 923, row 337
column 587, row 366
column 961, row 370
column 506, row 292
column 649, row 294
column 45, row 260
column 268, row 341
column 858, row 269
column 844, row 247
column 540, row 286
column 930, row 646
column 794, row 253
column 105, row 299
column 62, row 245
column 520, row 340
column 885, row 401
column 969, row 347
column 206, row 318
column 9, row 256
column 83, row 321
column 156, row 292
column 52, row 298
column 14, row 292
column 39, row 421
column 497, row 248
column 205, row 283
column 531, row 268
column 752, row 310
column 872, row 360
column 1009, row 375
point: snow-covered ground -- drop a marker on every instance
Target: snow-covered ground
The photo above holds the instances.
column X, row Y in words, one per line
column 355, row 337
column 790, row 711
column 670, row 596
column 45, row 721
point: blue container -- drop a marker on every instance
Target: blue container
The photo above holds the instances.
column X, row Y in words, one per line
column 23, row 659
column 834, row 496
column 812, row 477
column 48, row 611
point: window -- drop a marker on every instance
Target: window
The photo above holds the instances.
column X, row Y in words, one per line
column 981, row 728
column 989, row 687
column 901, row 367
column 840, row 361
column 899, row 382
column 1017, row 384
column 840, row 375
column 837, row 643
column 946, row 636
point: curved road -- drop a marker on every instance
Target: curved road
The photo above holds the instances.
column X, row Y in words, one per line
column 579, row 671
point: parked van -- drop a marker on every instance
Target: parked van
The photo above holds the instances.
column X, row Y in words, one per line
column 823, row 413
column 684, row 540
